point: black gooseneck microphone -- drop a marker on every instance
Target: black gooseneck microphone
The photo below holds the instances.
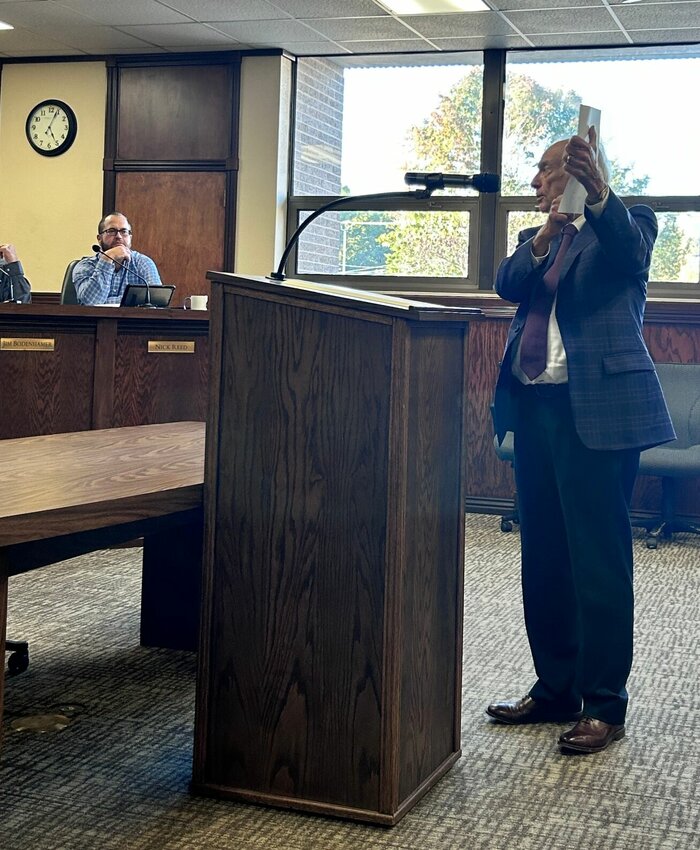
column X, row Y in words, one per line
column 436, row 180
column 428, row 183
column 11, row 299
column 121, row 265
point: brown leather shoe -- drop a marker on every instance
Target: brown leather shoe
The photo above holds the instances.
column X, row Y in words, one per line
column 590, row 736
column 526, row 710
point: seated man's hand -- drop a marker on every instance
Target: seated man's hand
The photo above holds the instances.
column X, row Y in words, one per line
column 120, row 253
column 8, row 253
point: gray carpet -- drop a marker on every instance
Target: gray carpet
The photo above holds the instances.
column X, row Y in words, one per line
column 117, row 776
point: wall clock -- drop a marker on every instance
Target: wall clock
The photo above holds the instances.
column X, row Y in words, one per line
column 51, row 127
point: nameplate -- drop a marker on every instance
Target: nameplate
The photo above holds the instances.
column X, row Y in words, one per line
column 170, row 346
column 26, row 343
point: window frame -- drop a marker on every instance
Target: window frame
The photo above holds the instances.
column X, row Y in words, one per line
column 488, row 213
column 659, row 203
column 388, row 283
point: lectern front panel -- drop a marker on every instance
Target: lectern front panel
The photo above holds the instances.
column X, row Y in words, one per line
column 300, row 533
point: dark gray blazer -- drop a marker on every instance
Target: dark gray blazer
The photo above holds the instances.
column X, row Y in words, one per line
column 13, row 284
column 616, row 398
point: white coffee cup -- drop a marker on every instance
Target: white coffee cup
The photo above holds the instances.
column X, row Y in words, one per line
column 196, row 302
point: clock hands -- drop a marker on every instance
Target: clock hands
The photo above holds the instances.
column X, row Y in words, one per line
column 48, row 131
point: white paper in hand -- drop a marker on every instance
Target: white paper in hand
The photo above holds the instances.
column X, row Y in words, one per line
column 574, row 197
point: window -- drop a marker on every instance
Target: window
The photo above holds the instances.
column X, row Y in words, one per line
column 361, row 123
column 647, row 125
column 358, row 130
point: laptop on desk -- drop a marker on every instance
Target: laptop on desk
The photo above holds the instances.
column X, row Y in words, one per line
column 135, row 295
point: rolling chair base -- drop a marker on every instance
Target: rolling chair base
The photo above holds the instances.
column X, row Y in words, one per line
column 666, row 530
column 19, row 659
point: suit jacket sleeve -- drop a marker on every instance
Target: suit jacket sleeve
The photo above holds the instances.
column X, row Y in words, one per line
column 626, row 237
column 518, row 273
column 16, row 284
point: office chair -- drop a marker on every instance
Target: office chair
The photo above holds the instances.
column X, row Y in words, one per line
column 68, row 293
column 19, row 659
column 679, row 459
column 506, row 452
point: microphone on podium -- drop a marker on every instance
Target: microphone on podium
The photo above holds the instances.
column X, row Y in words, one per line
column 427, row 184
column 436, row 180
column 122, row 265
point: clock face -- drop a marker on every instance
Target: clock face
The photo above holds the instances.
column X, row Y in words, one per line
column 51, row 127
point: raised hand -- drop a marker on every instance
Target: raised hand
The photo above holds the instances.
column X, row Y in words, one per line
column 580, row 161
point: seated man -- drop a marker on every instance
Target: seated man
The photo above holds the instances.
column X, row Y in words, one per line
column 14, row 286
column 102, row 279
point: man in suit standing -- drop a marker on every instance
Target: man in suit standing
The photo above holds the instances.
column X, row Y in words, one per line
column 579, row 390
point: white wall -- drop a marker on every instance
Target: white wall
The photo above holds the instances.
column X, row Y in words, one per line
column 266, row 92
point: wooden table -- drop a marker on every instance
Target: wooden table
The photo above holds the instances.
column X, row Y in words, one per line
column 68, row 494
column 74, row 368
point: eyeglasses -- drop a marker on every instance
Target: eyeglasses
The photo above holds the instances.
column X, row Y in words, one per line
column 112, row 231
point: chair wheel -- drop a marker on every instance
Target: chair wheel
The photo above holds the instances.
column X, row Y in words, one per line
column 506, row 524
column 652, row 543
column 17, row 663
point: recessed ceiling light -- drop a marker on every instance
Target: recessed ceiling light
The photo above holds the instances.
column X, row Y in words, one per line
column 4, row 26
column 434, row 7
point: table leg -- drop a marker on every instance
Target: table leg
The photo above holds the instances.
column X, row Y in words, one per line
column 3, row 629
column 171, row 586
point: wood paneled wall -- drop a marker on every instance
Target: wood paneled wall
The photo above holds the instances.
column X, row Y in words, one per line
column 672, row 333
column 185, row 223
column 175, row 113
column 171, row 162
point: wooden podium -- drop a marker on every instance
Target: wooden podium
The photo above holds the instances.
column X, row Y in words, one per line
column 331, row 645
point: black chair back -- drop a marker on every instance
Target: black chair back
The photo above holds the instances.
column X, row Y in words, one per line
column 68, row 293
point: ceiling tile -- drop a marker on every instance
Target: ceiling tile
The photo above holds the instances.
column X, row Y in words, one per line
column 563, row 21
column 665, row 36
column 227, row 10
column 589, row 39
column 667, row 15
column 18, row 41
column 312, row 27
column 64, row 51
column 480, row 42
column 40, row 15
column 399, row 45
column 528, row 5
column 180, row 35
column 329, row 8
column 360, row 29
column 312, row 48
column 450, row 26
column 125, row 11
column 268, row 33
column 646, row 2
column 98, row 39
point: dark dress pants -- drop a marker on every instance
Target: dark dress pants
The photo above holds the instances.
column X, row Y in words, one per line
column 576, row 557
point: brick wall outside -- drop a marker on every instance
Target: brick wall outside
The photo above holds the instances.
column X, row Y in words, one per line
column 317, row 153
